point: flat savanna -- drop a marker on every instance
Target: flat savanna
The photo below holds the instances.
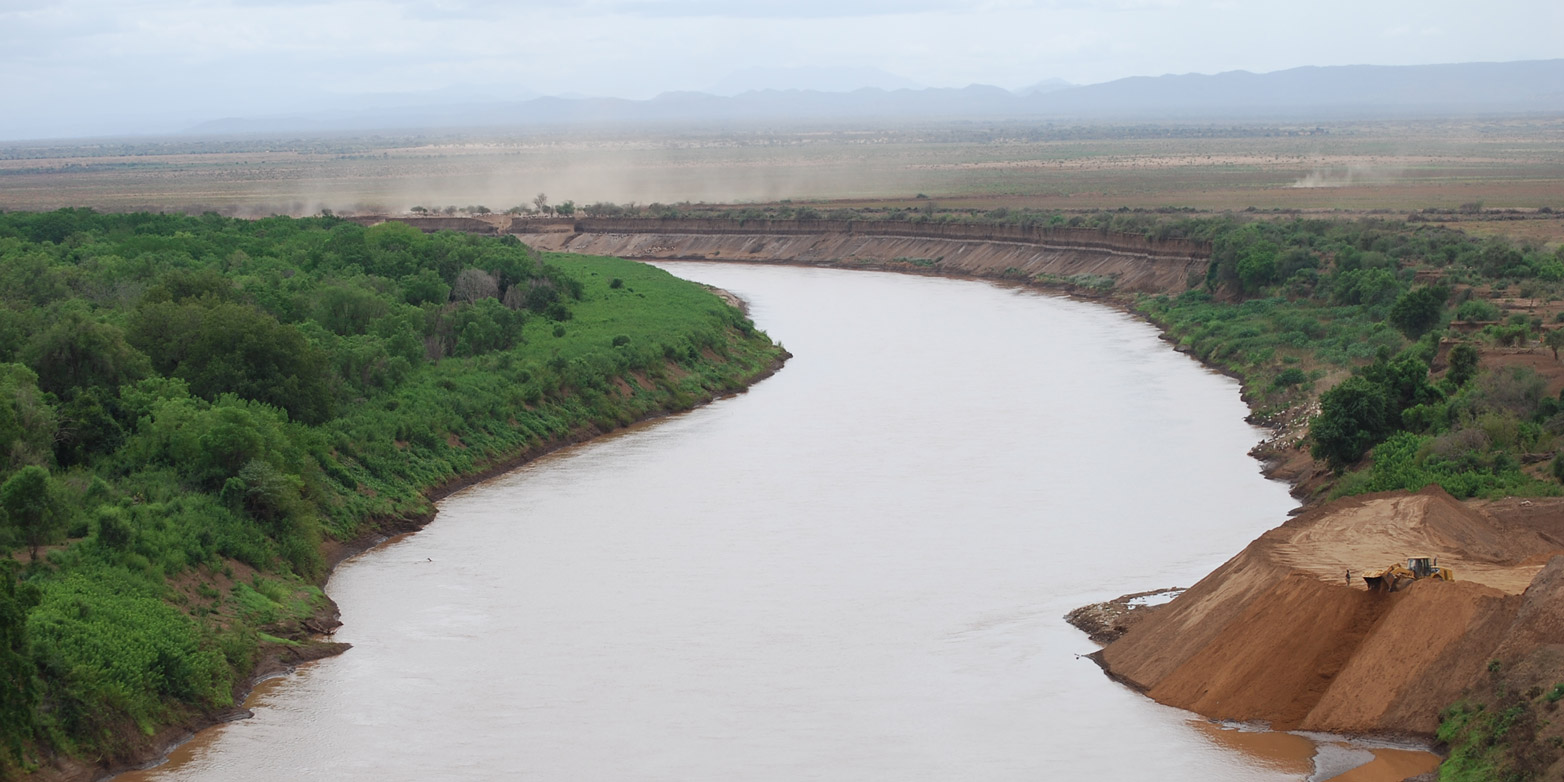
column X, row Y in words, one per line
column 1380, row 166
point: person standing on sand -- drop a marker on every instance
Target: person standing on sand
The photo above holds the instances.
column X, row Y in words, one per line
column 1349, row 578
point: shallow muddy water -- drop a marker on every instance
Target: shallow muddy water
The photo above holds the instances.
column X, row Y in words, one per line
column 855, row 571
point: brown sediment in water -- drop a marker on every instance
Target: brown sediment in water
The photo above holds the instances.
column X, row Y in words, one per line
column 1321, row 758
column 1391, row 765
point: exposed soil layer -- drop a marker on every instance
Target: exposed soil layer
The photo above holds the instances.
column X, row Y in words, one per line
column 1279, row 634
column 1063, row 256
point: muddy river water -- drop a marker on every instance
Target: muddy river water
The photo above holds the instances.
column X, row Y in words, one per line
column 855, row 571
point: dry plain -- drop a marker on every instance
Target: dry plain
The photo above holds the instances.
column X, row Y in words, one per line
column 1397, row 167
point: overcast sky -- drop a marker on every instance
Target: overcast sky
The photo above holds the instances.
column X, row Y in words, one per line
column 77, row 67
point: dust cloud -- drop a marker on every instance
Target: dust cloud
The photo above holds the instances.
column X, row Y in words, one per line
column 1350, row 175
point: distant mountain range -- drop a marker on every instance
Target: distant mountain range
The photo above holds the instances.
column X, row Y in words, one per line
column 819, row 78
column 1299, row 94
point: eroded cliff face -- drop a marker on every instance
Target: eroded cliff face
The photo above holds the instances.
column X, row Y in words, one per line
column 1279, row 634
column 1087, row 259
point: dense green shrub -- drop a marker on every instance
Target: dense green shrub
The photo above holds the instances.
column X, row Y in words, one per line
column 1477, row 310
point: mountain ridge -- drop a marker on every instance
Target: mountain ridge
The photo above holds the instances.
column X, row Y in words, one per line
column 1303, row 94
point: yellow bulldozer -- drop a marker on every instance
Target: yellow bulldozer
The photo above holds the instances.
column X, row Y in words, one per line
column 1390, row 578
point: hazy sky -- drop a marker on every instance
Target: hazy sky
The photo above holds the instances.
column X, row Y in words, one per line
column 73, row 67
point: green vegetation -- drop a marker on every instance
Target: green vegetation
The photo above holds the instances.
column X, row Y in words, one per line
column 1505, row 732
column 190, row 406
column 1287, row 303
column 1352, row 314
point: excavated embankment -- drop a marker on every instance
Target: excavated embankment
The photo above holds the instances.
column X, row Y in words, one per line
column 1278, row 634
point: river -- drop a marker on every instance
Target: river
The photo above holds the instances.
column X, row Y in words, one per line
column 855, row 571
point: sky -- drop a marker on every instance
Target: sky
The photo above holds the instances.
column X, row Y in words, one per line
column 102, row 67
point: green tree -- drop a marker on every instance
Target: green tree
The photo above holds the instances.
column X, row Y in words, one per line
column 1499, row 259
column 30, row 506
column 1463, row 364
column 425, row 287
column 88, row 427
column 1418, row 310
column 394, row 249
column 345, row 308
column 113, row 529
column 82, row 356
column 31, row 278
column 265, row 492
column 27, row 423
column 18, row 695
column 1477, row 310
column 186, row 284
column 1365, row 286
column 221, row 347
column 1354, row 417
column 1554, row 339
column 1404, row 381
column 1257, row 267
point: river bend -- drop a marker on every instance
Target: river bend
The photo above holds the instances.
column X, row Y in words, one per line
column 855, row 571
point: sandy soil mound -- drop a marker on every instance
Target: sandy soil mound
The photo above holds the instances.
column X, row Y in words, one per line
column 1374, row 530
column 1277, row 633
column 1540, row 620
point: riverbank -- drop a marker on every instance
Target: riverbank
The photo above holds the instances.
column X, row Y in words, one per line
column 310, row 642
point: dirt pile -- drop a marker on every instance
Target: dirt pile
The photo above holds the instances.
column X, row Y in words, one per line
column 1277, row 634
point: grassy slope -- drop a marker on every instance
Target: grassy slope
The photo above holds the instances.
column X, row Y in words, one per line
column 681, row 345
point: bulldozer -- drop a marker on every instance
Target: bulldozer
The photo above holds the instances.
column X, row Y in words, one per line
column 1391, row 578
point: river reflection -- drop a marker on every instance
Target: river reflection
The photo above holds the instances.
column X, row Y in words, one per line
column 856, row 571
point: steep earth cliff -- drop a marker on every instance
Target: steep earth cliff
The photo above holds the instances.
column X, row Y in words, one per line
column 1089, row 259
column 1279, row 634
